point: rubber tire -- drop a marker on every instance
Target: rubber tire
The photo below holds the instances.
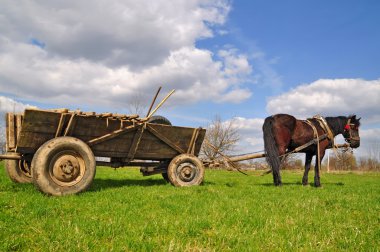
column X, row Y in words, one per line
column 14, row 172
column 174, row 177
column 159, row 120
column 41, row 162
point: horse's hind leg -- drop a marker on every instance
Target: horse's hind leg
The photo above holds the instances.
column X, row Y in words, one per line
column 276, row 172
column 305, row 179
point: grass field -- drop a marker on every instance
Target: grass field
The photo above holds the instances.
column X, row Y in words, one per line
column 124, row 211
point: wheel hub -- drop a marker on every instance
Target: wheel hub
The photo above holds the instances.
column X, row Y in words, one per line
column 67, row 169
column 187, row 171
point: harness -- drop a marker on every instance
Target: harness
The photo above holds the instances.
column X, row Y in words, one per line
column 328, row 134
column 348, row 129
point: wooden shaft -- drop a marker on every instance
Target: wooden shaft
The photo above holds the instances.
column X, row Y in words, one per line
column 160, row 104
column 14, row 156
column 154, row 100
column 247, row 157
column 261, row 155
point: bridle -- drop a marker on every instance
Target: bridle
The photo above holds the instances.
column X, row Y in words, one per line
column 348, row 130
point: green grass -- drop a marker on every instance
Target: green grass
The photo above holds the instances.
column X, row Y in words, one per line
column 124, row 211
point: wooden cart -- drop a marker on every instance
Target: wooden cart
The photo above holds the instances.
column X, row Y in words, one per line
column 56, row 149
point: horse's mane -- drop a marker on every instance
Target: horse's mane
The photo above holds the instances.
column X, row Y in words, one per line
column 337, row 123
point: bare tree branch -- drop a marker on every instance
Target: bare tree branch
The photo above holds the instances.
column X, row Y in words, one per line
column 137, row 104
column 222, row 135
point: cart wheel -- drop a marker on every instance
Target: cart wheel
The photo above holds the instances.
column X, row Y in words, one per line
column 18, row 171
column 185, row 170
column 63, row 165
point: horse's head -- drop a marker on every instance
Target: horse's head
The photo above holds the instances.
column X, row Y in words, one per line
column 351, row 131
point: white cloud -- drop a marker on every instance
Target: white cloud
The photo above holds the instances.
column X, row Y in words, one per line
column 331, row 97
column 250, row 131
column 118, row 32
column 10, row 105
column 74, row 53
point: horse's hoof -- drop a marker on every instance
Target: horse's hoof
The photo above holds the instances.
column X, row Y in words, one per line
column 305, row 184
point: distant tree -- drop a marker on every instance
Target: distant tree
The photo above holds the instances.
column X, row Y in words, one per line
column 343, row 160
column 222, row 135
column 137, row 104
column 292, row 162
column 372, row 160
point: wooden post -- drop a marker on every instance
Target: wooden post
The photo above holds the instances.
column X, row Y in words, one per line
column 328, row 161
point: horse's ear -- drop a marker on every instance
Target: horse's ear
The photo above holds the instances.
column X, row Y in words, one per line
column 359, row 119
column 353, row 117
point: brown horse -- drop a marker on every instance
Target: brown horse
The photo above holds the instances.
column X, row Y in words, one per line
column 283, row 133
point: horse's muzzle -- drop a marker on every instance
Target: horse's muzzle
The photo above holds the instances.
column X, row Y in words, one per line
column 355, row 143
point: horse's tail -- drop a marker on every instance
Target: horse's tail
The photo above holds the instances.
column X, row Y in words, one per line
column 270, row 146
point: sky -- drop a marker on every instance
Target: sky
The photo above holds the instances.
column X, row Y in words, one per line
column 240, row 60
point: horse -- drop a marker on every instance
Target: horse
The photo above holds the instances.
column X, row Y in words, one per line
column 283, row 133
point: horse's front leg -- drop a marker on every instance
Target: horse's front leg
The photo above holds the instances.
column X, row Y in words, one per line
column 305, row 179
column 317, row 179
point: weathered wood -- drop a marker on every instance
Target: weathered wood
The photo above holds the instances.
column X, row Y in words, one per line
column 160, row 104
column 111, row 135
column 246, row 157
column 261, row 155
column 108, row 136
column 69, row 126
column 153, row 101
column 60, row 125
column 194, row 137
column 165, row 139
column 10, row 156
column 11, row 131
column 18, row 125
column 135, row 143
column 6, row 132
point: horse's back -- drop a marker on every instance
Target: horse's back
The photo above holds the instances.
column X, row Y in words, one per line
column 285, row 120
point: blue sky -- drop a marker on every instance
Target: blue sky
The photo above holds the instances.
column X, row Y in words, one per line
column 304, row 41
column 241, row 60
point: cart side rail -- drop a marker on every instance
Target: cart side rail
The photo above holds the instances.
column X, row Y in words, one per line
column 13, row 124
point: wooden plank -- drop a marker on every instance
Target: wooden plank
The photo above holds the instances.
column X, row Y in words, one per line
column 135, row 143
column 18, row 125
column 6, row 132
column 69, row 126
column 11, row 131
column 40, row 121
column 165, row 139
column 111, row 135
column 199, row 141
column 194, row 138
column 60, row 125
